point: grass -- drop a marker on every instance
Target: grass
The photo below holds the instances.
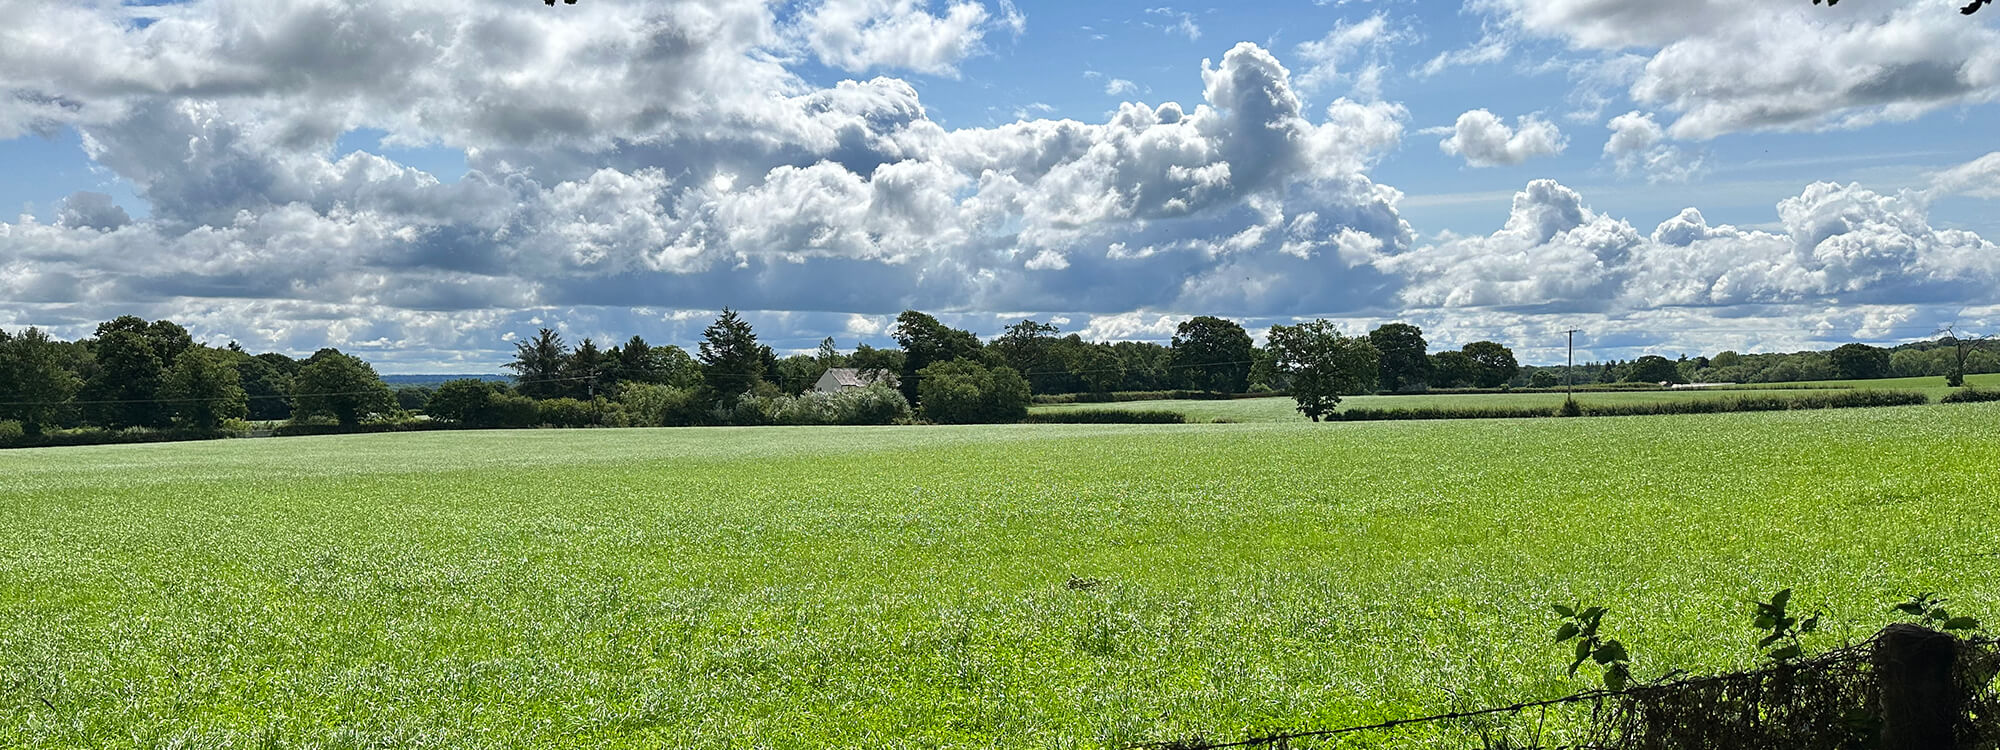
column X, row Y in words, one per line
column 910, row 587
column 1284, row 409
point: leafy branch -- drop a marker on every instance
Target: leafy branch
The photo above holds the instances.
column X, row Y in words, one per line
column 1581, row 625
column 1929, row 610
column 1773, row 618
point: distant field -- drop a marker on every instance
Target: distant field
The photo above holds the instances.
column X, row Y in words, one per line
column 910, row 587
column 1284, row 409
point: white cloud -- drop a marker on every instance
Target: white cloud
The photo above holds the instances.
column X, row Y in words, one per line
column 1120, row 87
column 1485, row 141
column 1979, row 178
column 1639, row 145
column 1731, row 66
column 1490, row 49
column 1175, row 21
column 1328, row 58
column 864, row 35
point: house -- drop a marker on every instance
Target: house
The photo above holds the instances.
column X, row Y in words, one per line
column 839, row 379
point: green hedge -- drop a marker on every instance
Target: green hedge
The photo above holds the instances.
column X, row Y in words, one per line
column 1970, row 396
column 101, row 436
column 1106, row 416
column 1122, row 396
column 1823, row 399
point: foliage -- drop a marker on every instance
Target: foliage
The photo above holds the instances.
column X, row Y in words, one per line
column 1320, row 365
column 1970, row 396
column 1781, row 640
column 539, row 363
column 1212, row 354
column 966, row 392
column 1453, row 369
column 34, row 386
column 875, row 404
column 1927, row 609
column 1492, row 364
column 340, row 386
column 925, row 342
column 125, row 391
column 1405, row 364
column 1581, row 624
column 1107, row 416
column 203, row 389
column 1859, row 361
column 732, row 361
column 1652, row 368
column 464, row 402
column 570, row 412
column 654, row 405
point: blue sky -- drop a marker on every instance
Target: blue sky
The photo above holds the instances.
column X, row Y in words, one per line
column 423, row 183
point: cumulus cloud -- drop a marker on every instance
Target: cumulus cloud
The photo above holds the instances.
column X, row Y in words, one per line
column 1729, row 66
column 1639, row 145
column 1354, row 51
column 1840, row 245
column 864, row 35
column 1486, row 141
column 90, row 210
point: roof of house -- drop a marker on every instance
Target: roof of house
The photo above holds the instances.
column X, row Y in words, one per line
column 848, row 377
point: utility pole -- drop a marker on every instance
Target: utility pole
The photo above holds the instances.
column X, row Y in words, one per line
column 1569, row 391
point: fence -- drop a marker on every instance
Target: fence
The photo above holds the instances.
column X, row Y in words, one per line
column 1907, row 688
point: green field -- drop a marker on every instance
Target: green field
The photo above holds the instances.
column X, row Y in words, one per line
column 909, row 587
column 1284, row 409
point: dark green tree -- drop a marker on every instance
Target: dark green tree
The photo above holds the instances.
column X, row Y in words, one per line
column 1029, row 347
column 1320, row 365
column 1453, row 369
column 1212, row 354
column 584, row 371
column 1860, row 361
column 962, row 391
column 640, row 362
column 732, row 362
column 1406, row 362
column 925, row 341
column 870, row 359
column 340, row 386
column 464, row 402
column 677, row 367
column 203, row 389
column 35, row 388
column 1652, row 368
column 266, row 380
column 798, row 373
column 125, row 391
column 1494, row 363
column 538, row 365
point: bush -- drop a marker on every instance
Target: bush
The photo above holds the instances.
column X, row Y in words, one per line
column 10, row 431
column 569, row 412
column 1970, row 396
column 649, row 405
column 1107, row 416
column 966, row 392
column 510, row 410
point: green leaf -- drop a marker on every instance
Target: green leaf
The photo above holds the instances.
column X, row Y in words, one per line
column 1811, row 624
column 1764, row 622
column 1562, row 610
column 1616, row 677
column 1582, row 650
column 1911, row 608
column 1593, row 613
column 1768, row 640
column 1961, row 623
column 1611, row 651
column 1566, row 632
column 1788, row 652
column 1781, row 599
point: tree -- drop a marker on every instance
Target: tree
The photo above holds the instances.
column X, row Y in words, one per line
column 1029, row 347
column 1320, row 364
column 266, row 380
column 1405, row 363
column 34, row 386
column 203, row 388
column 1544, row 378
column 538, row 365
column 340, row 386
column 585, row 371
column 125, row 392
column 1859, row 361
column 638, row 362
column 797, row 373
column 463, row 401
column 828, row 355
column 1453, row 369
column 925, row 342
column 677, row 367
column 1652, row 368
column 732, row 362
column 1962, row 349
column 1212, row 354
column 870, row 359
column 1494, row 364
column 1099, row 369
column 962, row 391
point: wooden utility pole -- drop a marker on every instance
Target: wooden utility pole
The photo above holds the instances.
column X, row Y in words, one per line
column 1569, row 391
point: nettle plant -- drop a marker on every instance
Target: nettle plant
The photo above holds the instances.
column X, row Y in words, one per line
column 1929, row 611
column 1782, row 630
column 1581, row 625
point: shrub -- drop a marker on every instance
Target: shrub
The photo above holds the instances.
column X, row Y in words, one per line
column 10, row 431
column 1825, row 399
column 1970, row 396
column 877, row 404
column 1107, row 416
column 966, row 392
column 511, row 410
column 650, row 405
column 569, row 412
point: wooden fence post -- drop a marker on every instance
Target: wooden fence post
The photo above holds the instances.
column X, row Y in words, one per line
column 1921, row 704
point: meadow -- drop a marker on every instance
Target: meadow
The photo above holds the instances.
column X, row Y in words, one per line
column 986, row 586
column 1284, row 409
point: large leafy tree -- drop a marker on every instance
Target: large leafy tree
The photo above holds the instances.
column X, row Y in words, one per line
column 1030, row 348
column 538, row 365
column 35, row 388
column 203, row 388
column 340, row 386
column 266, row 380
column 963, row 391
column 925, row 342
column 1860, row 361
column 1320, row 365
column 132, row 356
column 587, row 371
column 1405, row 362
column 1652, row 368
column 732, row 361
column 465, row 402
column 1212, row 354
column 1494, row 364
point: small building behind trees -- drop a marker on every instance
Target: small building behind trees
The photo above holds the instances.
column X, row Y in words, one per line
column 838, row 379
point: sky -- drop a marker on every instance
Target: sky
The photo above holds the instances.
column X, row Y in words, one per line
column 424, row 183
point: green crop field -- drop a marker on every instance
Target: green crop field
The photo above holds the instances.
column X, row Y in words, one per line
column 1284, row 409
column 996, row 586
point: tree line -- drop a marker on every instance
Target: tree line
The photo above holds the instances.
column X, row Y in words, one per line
column 1951, row 357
